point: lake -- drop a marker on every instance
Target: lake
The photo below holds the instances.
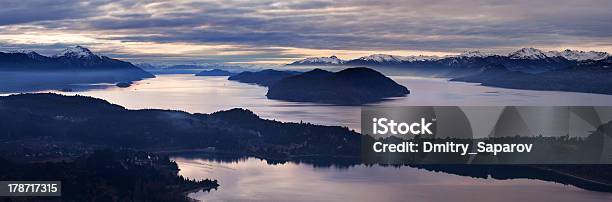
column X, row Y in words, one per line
column 210, row 94
column 253, row 179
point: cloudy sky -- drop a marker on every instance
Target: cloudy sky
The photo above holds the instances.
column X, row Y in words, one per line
column 239, row 31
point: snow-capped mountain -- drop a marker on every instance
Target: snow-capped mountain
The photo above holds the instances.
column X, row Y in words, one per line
column 528, row 53
column 414, row 58
column 76, row 52
column 75, row 65
column 578, row 55
column 530, row 60
column 77, row 58
column 476, row 54
column 382, row 58
column 31, row 54
column 24, row 51
column 332, row 60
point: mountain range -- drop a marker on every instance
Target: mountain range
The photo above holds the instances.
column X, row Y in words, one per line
column 215, row 72
column 28, row 70
column 527, row 60
column 72, row 58
column 526, row 68
column 521, row 54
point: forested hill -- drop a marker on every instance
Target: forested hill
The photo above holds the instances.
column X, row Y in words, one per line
column 92, row 121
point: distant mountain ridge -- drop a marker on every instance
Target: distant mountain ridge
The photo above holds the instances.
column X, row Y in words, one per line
column 526, row 68
column 72, row 58
column 579, row 55
column 28, row 70
column 522, row 54
column 215, row 72
column 332, row 60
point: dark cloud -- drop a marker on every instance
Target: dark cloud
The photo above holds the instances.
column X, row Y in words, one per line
column 309, row 5
column 26, row 11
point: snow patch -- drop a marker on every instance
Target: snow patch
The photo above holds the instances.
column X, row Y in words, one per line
column 528, row 53
column 76, row 52
column 321, row 60
column 384, row 58
column 477, row 54
column 578, row 55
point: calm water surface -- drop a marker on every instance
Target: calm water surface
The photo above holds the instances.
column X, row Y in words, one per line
column 210, row 94
column 253, row 179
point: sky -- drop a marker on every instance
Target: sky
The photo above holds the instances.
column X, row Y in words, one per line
column 277, row 32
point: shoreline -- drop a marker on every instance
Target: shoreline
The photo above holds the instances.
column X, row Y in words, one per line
column 580, row 182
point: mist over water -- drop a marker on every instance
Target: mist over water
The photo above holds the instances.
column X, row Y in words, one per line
column 67, row 80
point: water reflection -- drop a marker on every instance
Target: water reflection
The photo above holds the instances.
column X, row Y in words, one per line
column 254, row 179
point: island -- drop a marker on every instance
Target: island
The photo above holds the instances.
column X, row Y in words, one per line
column 352, row 86
column 215, row 72
column 263, row 78
column 124, row 84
